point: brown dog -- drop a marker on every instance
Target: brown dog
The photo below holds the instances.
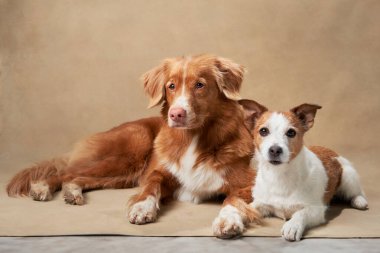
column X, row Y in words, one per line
column 199, row 149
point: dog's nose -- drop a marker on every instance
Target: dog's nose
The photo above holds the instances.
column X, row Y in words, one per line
column 275, row 151
column 177, row 114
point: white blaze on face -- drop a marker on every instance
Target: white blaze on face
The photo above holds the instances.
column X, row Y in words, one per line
column 277, row 125
column 182, row 101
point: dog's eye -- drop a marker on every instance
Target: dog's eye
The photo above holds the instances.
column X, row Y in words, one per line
column 199, row 85
column 291, row 133
column 264, row 131
column 171, row 86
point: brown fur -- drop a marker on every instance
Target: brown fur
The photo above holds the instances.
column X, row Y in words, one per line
column 248, row 214
column 43, row 171
column 256, row 127
column 333, row 170
column 130, row 154
column 113, row 159
column 224, row 143
column 296, row 143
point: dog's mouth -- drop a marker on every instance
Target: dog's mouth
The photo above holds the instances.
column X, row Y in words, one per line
column 275, row 162
column 186, row 124
column 178, row 125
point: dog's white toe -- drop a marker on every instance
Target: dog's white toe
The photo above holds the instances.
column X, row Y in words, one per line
column 228, row 224
column 143, row 212
column 292, row 230
column 359, row 202
column 40, row 191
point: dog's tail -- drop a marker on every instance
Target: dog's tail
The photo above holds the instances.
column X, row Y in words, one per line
column 44, row 174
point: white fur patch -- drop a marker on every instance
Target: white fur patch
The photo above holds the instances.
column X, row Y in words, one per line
column 293, row 230
column 349, row 187
column 229, row 222
column 359, row 202
column 196, row 183
column 277, row 124
column 300, row 183
column 182, row 101
column 144, row 211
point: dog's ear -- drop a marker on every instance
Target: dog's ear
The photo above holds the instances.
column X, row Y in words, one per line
column 229, row 77
column 252, row 110
column 306, row 114
column 154, row 83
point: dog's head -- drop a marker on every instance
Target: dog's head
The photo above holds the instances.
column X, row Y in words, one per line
column 278, row 136
column 192, row 88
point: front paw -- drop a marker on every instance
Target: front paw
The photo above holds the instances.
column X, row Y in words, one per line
column 228, row 224
column 144, row 211
column 292, row 230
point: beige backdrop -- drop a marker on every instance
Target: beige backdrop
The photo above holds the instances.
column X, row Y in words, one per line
column 72, row 68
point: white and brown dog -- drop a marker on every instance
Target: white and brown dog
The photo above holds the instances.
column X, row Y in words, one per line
column 295, row 182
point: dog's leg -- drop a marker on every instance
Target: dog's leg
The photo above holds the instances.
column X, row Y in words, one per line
column 72, row 191
column 307, row 217
column 40, row 191
column 93, row 183
column 145, row 210
column 350, row 188
column 72, row 194
column 264, row 209
column 143, row 207
column 234, row 215
column 110, row 172
column 43, row 190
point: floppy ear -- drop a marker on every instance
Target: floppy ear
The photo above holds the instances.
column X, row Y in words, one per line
column 306, row 114
column 252, row 110
column 229, row 77
column 154, row 83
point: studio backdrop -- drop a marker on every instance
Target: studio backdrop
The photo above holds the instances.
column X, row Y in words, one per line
column 72, row 68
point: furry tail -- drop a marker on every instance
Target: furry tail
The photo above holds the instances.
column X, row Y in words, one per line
column 46, row 172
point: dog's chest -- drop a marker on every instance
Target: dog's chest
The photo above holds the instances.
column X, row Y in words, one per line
column 197, row 183
column 285, row 190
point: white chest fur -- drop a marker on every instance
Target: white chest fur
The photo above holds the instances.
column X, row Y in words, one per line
column 286, row 187
column 197, row 183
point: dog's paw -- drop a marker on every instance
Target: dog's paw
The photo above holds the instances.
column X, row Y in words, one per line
column 73, row 199
column 143, row 211
column 72, row 194
column 359, row 202
column 40, row 191
column 292, row 230
column 228, row 224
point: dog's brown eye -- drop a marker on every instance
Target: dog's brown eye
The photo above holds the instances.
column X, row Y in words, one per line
column 264, row 131
column 199, row 85
column 291, row 133
column 171, row 86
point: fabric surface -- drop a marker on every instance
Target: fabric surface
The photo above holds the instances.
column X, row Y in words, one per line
column 72, row 68
column 84, row 244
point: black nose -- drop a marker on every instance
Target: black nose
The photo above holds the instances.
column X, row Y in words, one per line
column 275, row 151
